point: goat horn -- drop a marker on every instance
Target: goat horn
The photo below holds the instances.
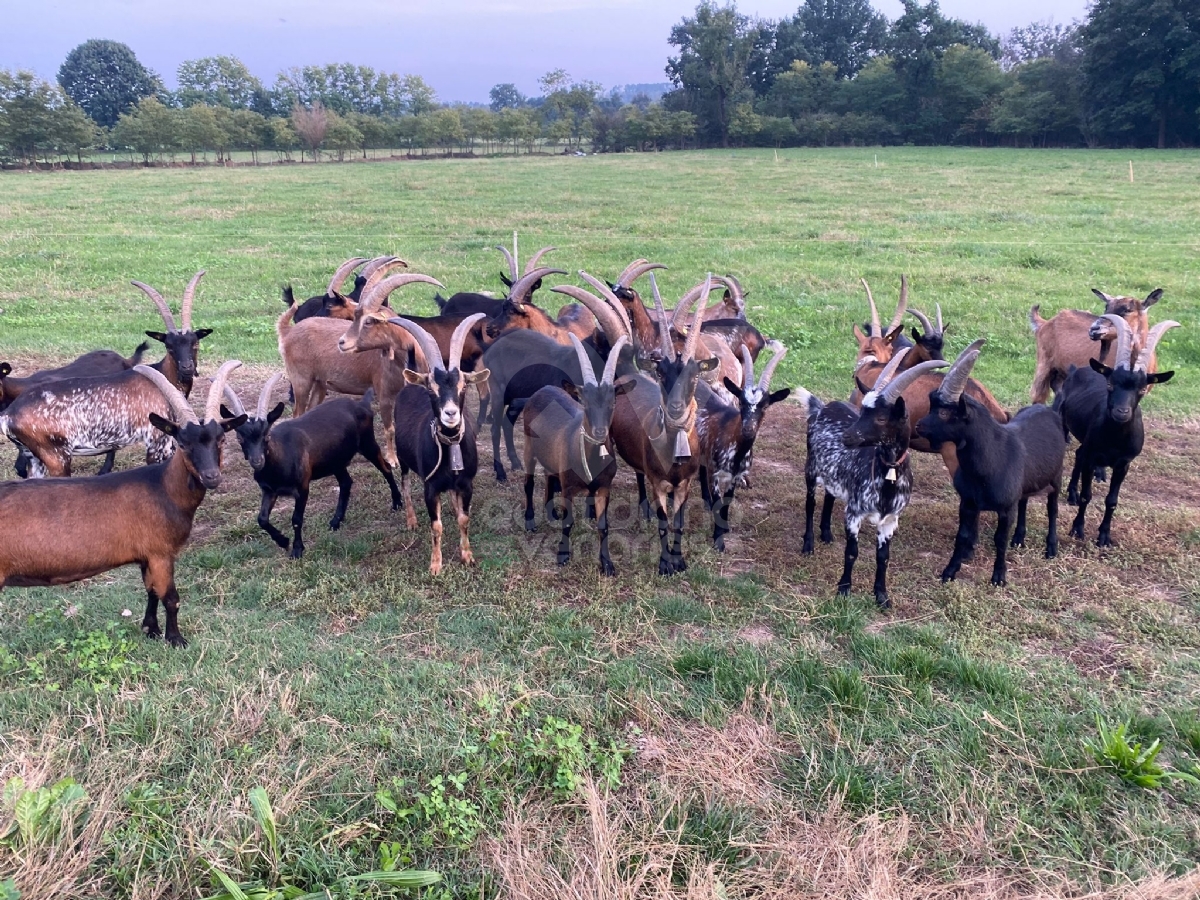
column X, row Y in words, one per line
column 780, row 351
column 1124, row 341
column 926, row 325
column 379, row 269
column 343, row 271
column 264, row 396
column 180, row 408
column 628, row 270
column 610, row 365
column 460, row 337
column 613, row 301
column 941, row 327
column 684, row 306
column 739, row 294
column 900, row 383
column 189, row 294
column 586, row 372
column 512, row 263
column 234, row 401
column 747, row 368
column 889, row 371
column 1152, row 339
column 609, row 323
column 531, row 264
column 901, row 306
column 693, row 336
column 664, row 325
column 876, row 329
column 956, row 379
column 163, row 309
column 212, row 409
column 521, row 287
column 381, row 291
column 433, row 354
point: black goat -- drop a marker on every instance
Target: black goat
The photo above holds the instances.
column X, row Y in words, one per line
column 999, row 466
column 861, row 457
column 435, row 437
column 1101, row 407
column 289, row 457
column 332, row 303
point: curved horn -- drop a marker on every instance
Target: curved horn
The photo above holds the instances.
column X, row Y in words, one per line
column 609, row 323
column 163, row 309
column 739, row 294
column 1152, row 339
column 611, row 299
column 610, row 365
column 512, row 263
column 901, row 306
column 684, row 306
column 876, row 330
column 264, row 396
column 342, row 272
column 747, row 369
column 693, row 335
column 900, row 383
column 460, row 337
column 212, row 409
column 379, row 262
column 764, row 382
column 586, row 372
column 531, row 264
column 956, row 379
column 433, row 354
column 517, row 292
column 189, row 294
column 382, row 290
column 889, row 371
column 664, row 324
column 628, row 270
column 1124, row 341
column 180, row 408
column 234, row 401
column 941, row 327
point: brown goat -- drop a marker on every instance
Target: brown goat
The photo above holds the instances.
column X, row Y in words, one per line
column 65, row 530
column 1075, row 336
column 878, row 342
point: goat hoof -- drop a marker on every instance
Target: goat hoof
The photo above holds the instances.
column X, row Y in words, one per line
column 1051, row 552
column 468, row 558
column 843, row 590
column 999, row 580
column 882, row 601
column 948, row 575
column 151, row 630
column 665, row 567
column 1017, row 542
column 335, row 524
column 435, row 568
column 826, row 537
column 297, row 551
column 1076, row 533
column 563, row 559
column 530, row 525
column 719, row 545
column 607, row 569
column 1104, row 541
column 807, row 548
column 178, row 641
column 501, row 478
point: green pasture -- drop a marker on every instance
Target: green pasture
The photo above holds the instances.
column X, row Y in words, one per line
column 738, row 731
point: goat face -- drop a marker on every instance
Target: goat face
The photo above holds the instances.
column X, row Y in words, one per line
column 752, row 405
column 947, row 422
column 254, row 436
column 599, row 402
column 200, row 444
column 447, row 392
column 933, row 344
column 677, row 380
column 1126, row 389
column 368, row 331
column 183, row 347
column 882, row 425
column 882, row 348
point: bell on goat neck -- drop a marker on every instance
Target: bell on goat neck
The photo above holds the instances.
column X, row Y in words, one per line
column 891, row 475
column 682, row 446
column 456, row 460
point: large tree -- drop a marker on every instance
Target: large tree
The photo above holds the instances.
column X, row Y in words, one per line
column 106, row 79
column 1141, row 63
column 846, row 33
column 27, row 115
column 217, row 81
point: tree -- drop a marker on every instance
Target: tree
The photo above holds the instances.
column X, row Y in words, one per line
column 967, row 82
column 1037, row 40
column 506, row 96
column 310, row 125
column 1141, row 67
column 105, row 79
column 217, row 81
column 198, row 129
column 846, row 33
column 149, row 129
column 282, row 138
column 27, row 115
column 341, row 136
column 1041, row 104
column 74, row 132
column 717, row 48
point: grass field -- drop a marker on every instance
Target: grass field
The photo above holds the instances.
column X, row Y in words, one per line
column 529, row 731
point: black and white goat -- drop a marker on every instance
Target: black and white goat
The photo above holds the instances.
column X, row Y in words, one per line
column 435, row 437
column 1101, row 407
column 727, row 435
column 290, row 456
column 861, row 457
column 999, row 466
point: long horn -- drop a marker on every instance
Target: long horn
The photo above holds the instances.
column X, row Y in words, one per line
column 611, row 299
column 512, row 263
column 955, row 381
column 900, row 307
column 379, row 268
column 180, row 408
column 189, row 294
column 433, row 354
column 587, row 373
column 381, row 291
column 876, row 330
column 633, row 273
column 460, row 337
column 212, row 409
column 610, row 366
column 664, row 324
column 609, row 323
column 926, row 325
column 693, row 335
column 532, row 262
column 739, row 294
column 342, row 272
column 941, row 327
column 264, row 397
column 1152, row 339
column 900, row 383
column 684, row 306
column 163, row 309
column 234, row 401
column 1124, row 341
column 764, row 382
column 889, row 371
column 747, row 369
column 627, row 272
column 520, row 288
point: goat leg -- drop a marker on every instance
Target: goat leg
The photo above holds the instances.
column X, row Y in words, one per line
column 664, row 553
column 568, row 521
column 681, row 497
column 1073, row 484
column 264, row 520
column 883, row 552
column 374, row 455
column 706, row 494
column 1018, row 536
column 964, row 541
column 1000, row 567
column 109, row 458
column 298, row 524
column 810, row 507
column 1085, row 497
column 553, row 486
column 410, row 509
column 852, row 526
column 1052, row 521
column 530, row 520
column 606, row 564
column 643, row 500
column 513, row 460
column 150, row 620
column 1120, row 470
column 345, row 482
column 827, row 519
column 433, row 506
column 497, row 415
column 462, row 513
column 721, row 518
column 160, row 584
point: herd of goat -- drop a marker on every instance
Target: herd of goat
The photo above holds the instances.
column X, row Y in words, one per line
column 671, row 392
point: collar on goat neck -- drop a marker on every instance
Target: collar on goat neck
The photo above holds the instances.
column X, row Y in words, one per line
column 682, row 427
column 584, row 441
column 453, row 440
column 891, row 473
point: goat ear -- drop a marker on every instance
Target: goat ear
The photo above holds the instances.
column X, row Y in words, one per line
column 226, row 412
column 202, row 333
column 862, row 339
column 891, row 336
column 963, row 409
column 235, row 422
column 5, row 370
column 1159, row 377
column 898, row 410
column 166, row 426
column 1153, row 297
column 862, row 388
column 731, row 387
column 916, row 337
column 779, row 396
column 412, row 377
column 157, row 335
column 707, row 365
column 571, row 388
column 505, row 279
column 1100, row 367
column 477, row 378
column 625, row 386
column 276, row 412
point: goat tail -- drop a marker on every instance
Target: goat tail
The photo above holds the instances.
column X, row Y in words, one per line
column 288, row 297
column 4, row 427
column 138, row 351
column 1035, row 318
column 811, row 404
column 440, row 301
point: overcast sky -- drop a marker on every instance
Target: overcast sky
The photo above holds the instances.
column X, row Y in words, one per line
column 461, row 47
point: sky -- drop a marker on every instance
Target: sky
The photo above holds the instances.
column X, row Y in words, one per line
column 460, row 47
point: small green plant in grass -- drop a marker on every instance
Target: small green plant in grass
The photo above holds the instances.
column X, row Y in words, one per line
column 105, row 659
column 559, row 756
column 43, row 815
column 1130, row 760
column 8, row 890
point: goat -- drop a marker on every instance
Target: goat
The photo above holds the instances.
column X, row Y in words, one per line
column 727, row 436
column 1101, row 407
column 434, row 435
column 571, row 439
column 654, row 430
column 999, row 466
column 289, row 457
column 66, row 530
column 1070, row 338
column 517, row 312
column 861, row 457
column 466, row 303
column 878, row 342
column 183, row 346
column 929, row 343
column 333, row 303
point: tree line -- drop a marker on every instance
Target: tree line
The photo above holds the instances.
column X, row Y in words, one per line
column 837, row 72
